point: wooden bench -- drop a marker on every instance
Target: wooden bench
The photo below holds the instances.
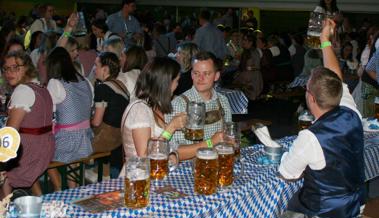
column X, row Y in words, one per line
column 75, row 170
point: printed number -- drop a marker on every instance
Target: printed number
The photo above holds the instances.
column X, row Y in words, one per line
column 5, row 142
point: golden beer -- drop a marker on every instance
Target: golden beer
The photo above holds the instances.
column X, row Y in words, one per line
column 158, row 166
column 206, row 172
column 304, row 124
column 194, row 134
column 225, row 165
column 313, row 41
column 137, row 192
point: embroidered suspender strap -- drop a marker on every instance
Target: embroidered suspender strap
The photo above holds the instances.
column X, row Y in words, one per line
column 186, row 99
column 118, row 87
column 221, row 110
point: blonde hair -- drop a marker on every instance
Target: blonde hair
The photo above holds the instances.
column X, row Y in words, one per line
column 116, row 46
column 188, row 51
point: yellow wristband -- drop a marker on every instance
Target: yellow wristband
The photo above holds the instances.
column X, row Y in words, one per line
column 165, row 134
column 325, row 44
column 209, row 143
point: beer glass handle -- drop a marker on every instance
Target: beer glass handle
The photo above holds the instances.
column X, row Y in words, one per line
column 242, row 171
column 173, row 165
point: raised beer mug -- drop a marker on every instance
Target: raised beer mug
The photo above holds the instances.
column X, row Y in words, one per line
column 137, row 182
column 305, row 120
column 194, row 130
column 160, row 166
column 232, row 136
column 314, row 29
column 205, row 171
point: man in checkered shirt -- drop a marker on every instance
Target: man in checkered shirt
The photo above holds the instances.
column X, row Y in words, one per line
column 204, row 74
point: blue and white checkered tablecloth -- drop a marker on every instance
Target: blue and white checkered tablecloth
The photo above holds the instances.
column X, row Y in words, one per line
column 371, row 155
column 257, row 193
column 237, row 100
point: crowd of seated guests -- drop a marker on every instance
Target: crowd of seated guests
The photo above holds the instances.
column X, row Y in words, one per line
column 89, row 82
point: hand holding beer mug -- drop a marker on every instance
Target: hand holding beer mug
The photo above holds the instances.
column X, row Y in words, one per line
column 195, row 121
column 206, row 171
column 137, row 182
column 314, row 29
column 158, row 151
column 305, row 120
column 232, row 136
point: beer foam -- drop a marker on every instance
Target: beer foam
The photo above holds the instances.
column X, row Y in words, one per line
column 158, row 156
column 206, row 154
column 224, row 149
column 306, row 118
column 137, row 174
column 313, row 33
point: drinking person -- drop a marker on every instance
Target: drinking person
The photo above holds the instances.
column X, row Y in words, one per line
column 144, row 116
column 336, row 136
column 204, row 74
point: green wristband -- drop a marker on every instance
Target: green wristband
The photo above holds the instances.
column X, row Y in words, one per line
column 66, row 34
column 165, row 134
column 209, row 143
column 325, row 44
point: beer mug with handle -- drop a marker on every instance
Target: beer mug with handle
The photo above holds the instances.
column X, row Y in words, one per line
column 226, row 163
column 194, row 130
column 232, row 136
column 305, row 120
column 137, row 182
column 158, row 151
column 205, row 171
column 314, row 29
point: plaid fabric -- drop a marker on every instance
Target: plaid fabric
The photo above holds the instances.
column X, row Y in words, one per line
column 179, row 105
column 256, row 193
column 368, row 94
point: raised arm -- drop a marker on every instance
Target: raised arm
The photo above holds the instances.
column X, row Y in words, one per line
column 71, row 24
column 329, row 57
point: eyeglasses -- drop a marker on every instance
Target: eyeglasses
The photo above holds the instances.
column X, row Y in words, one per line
column 13, row 68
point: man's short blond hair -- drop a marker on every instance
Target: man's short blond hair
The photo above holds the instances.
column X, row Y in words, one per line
column 326, row 87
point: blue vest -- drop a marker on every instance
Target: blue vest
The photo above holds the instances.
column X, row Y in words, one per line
column 337, row 190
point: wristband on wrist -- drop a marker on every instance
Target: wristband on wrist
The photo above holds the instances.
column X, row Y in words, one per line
column 325, row 44
column 66, row 34
column 209, row 143
column 165, row 134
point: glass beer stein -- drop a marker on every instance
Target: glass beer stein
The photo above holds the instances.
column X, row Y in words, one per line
column 158, row 151
column 194, row 130
column 314, row 29
column 137, row 182
column 206, row 171
column 225, row 164
column 305, row 120
column 232, row 136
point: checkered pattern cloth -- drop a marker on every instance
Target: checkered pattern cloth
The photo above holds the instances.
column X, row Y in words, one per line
column 179, row 105
column 371, row 155
column 237, row 100
column 258, row 192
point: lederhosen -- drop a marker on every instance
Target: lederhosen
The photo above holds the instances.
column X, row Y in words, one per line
column 212, row 116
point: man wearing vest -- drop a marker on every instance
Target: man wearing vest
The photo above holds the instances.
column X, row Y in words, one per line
column 204, row 74
column 330, row 153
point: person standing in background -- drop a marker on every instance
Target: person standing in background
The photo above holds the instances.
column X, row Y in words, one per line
column 124, row 23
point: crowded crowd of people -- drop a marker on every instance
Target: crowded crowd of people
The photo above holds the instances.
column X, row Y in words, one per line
column 130, row 78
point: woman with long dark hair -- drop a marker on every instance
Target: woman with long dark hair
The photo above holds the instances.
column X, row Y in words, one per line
column 144, row 117
column 72, row 97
